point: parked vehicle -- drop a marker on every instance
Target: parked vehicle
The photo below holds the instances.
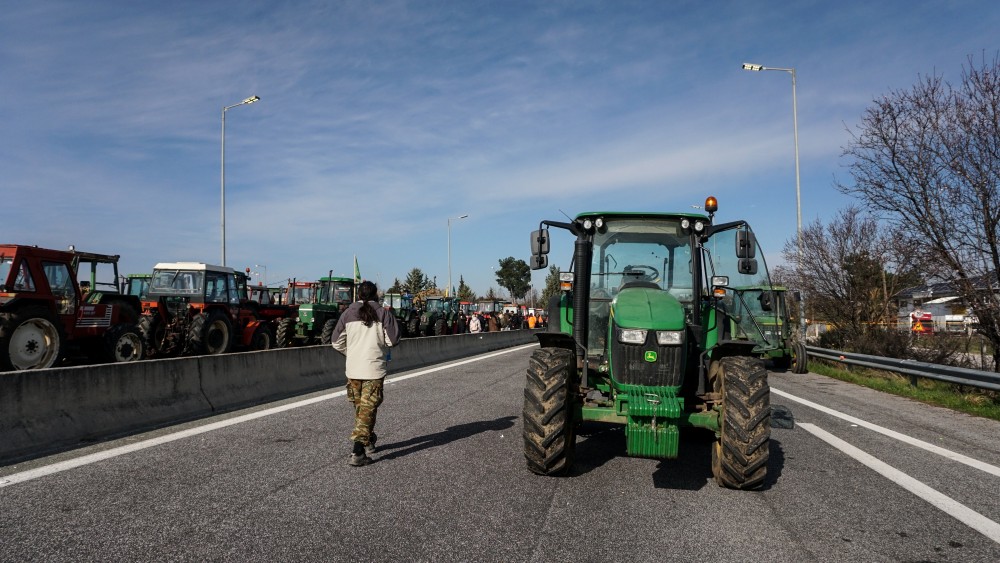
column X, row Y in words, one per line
column 319, row 306
column 44, row 315
column 646, row 337
column 440, row 317
column 402, row 307
column 137, row 284
column 789, row 352
column 196, row 308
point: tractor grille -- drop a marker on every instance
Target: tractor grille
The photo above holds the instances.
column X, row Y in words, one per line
column 630, row 365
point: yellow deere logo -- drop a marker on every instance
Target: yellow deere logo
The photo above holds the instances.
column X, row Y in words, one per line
column 650, row 356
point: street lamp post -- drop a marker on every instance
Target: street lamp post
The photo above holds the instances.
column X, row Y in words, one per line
column 798, row 192
column 448, row 291
column 249, row 100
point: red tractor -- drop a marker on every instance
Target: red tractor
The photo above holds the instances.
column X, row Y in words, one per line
column 44, row 315
column 194, row 308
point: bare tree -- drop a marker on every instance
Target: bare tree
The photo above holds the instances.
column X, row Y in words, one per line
column 928, row 160
column 851, row 271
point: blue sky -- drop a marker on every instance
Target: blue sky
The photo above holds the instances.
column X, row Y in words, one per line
column 379, row 121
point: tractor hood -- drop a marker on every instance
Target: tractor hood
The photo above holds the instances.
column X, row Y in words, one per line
column 647, row 308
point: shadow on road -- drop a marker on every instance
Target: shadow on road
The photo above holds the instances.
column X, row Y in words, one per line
column 446, row 436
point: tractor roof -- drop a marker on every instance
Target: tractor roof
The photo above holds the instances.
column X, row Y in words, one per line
column 336, row 279
column 635, row 214
column 194, row 266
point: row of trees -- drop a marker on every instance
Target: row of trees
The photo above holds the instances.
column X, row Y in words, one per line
column 512, row 274
column 925, row 167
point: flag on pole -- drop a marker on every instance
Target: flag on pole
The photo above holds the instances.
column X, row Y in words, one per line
column 357, row 271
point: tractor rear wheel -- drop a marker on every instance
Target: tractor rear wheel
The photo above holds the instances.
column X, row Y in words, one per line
column 285, row 335
column 153, row 333
column 800, row 363
column 326, row 337
column 30, row 339
column 123, row 343
column 210, row 334
column 740, row 453
column 440, row 328
column 413, row 326
column 263, row 338
column 549, row 433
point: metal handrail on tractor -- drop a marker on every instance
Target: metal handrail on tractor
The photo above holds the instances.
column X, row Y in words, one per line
column 961, row 376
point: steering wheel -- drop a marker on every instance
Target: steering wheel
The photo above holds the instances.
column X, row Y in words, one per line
column 641, row 272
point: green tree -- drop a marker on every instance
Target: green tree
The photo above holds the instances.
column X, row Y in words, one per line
column 928, row 160
column 492, row 295
column 551, row 285
column 417, row 282
column 464, row 292
column 514, row 275
column 396, row 287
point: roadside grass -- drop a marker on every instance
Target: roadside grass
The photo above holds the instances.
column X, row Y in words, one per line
column 965, row 399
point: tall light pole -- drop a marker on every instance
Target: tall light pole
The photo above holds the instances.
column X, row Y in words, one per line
column 249, row 100
column 448, row 291
column 798, row 191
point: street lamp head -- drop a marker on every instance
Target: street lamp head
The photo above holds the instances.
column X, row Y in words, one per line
column 251, row 99
column 463, row 216
column 753, row 67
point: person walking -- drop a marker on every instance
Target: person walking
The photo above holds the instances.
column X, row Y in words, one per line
column 364, row 334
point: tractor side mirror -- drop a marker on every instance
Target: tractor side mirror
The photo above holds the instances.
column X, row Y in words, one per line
column 539, row 261
column 746, row 246
column 766, row 301
column 540, row 242
column 747, row 266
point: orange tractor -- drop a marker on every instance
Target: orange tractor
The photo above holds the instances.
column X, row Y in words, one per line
column 194, row 308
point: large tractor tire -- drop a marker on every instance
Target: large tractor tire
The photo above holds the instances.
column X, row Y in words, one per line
column 123, row 343
column 740, row 453
column 413, row 326
column 800, row 363
column 549, row 432
column 326, row 337
column 284, row 336
column 263, row 338
column 210, row 334
column 30, row 339
column 440, row 328
column 153, row 334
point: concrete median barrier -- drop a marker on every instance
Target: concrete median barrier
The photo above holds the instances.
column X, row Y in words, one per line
column 46, row 411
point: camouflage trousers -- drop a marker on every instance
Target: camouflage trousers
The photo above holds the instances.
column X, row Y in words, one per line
column 366, row 394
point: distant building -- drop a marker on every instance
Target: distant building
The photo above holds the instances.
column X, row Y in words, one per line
column 940, row 305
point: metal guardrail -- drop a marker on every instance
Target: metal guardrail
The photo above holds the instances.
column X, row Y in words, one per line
column 961, row 376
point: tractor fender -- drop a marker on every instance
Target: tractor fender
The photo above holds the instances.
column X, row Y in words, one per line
column 246, row 337
column 556, row 340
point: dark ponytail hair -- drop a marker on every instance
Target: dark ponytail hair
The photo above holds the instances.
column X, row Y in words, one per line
column 367, row 292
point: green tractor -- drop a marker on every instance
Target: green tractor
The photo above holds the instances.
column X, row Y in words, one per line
column 655, row 348
column 320, row 304
column 440, row 317
column 406, row 314
column 790, row 351
column 136, row 284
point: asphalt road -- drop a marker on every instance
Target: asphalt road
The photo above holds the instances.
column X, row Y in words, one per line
column 450, row 484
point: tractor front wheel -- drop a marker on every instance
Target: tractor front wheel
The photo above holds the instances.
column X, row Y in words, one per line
column 740, row 453
column 440, row 328
column 210, row 334
column 326, row 337
column 285, row 335
column 263, row 338
column 800, row 363
column 123, row 343
column 549, row 433
column 31, row 339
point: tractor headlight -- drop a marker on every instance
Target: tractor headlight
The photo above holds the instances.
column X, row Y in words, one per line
column 699, row 226
column 632, row 336
column 588, row 224
column 685, row 223
column 669, row 337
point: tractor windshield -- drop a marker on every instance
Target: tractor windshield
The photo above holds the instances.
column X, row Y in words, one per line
column 435, row 305
column 754, row 311
column 177, row 282
column 636, row 252
column 303, row 294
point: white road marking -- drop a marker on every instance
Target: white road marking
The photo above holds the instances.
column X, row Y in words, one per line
column 38, row 472
column 948, row 505
column 955, row 456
